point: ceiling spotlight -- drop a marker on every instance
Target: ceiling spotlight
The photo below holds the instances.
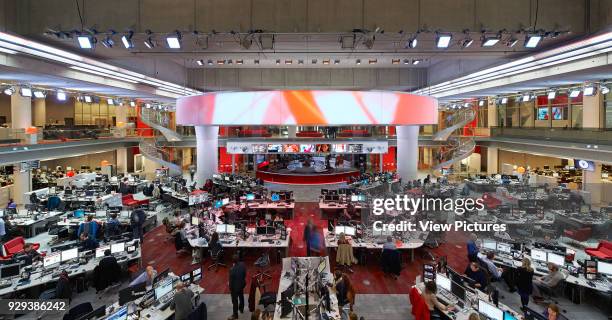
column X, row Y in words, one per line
column 220, row 62
column 314, row 61
column 110, row 102
column 358, row 61
column 39, row 94
column 8, row 91
column 604, row 89
column 453, row 106
column 466, row 105
column 61, row 96
column 240, row 61
column 481, row 103
column 132, row 104
column 467, row 42
column 87, row 99
column 108, row 40
column 412, row 42
column 200, row 62
column 504, row 100
column 86, row 41
column 301, row 61
column 325, row 61
column 147, row 105
column 589, row 90
column 372, row 61
column 574, row 93
column 443, row 40
column 526, row 97
column 337, row 61
column 256, row 61
column 532, row 40
column 126, row 39
column 395, row 61
column 489, row 41
column 512, row 42
column 150, row 43
column 552, row 94
column 415, row 62
column 229, row 61
column 25, row 92
column 288, row 61
column 174, row 40
column 369, row 42
column 277, row 61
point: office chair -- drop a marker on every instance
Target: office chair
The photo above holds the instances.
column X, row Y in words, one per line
column 217, row 258
column 78, row 310
column 263, row 266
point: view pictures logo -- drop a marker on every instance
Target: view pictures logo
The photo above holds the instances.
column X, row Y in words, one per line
column 422, row 204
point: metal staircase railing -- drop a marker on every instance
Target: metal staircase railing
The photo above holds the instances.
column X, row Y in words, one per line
column 158, row 121
column 457, row 121
column 459, row 147
column 148, row 148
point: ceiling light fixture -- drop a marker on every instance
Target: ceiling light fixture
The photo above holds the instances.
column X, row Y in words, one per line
column 150, row 43
column 87, row 99
column 8, row 91
column 395, row 61
column 481, row 103
column 406, row 61
column 200, row 62
column 358, row 61
column 589, row 90
column 301, row 61
column 443, row 40
column 277, row 61
column 288, row 61
column 412, row 42
column 174, row 40
column 25, row 92
column 126, row 39
column 325, row 61
column 551, row 94
column 532, row 40
column 574, row 93
column 488, row 41
column 86, row 41
column 512, row 42
column 240, row 61
column 373, row 61
column 132, row 104
column 61, row 96
column 337, row 61
column 108, row 41
column 604, row 89
column 256, row 61
column 526, row 97
column 39, row 94
column 314, row 61
column 415, row 62
column 110, row 102
column 504, row 100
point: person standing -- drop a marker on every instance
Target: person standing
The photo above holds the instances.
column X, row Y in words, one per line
column 137, row 219
column 183, row 305
column 524, row 281
column 237, row 282
column 308, row 233
column 472, row 248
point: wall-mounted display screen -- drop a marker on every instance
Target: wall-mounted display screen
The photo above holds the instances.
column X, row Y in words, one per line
column 557, row 113
column 354, row 148
column 543, row 113
column 260, row 148
column 291, row 148
column 307, row 148
column 339, row 148
column 323, row 148
column 275, row 148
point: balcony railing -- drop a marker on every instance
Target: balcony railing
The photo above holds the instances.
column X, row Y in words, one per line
column 583, row 135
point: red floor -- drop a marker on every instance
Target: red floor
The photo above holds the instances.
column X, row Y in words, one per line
column 368, row 279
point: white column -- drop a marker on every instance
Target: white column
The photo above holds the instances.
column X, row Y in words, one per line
column 21, row 111
column 22, row 183
column 380, row 162
column 233, row 163
column 407, row 152
column 207, row 152
column 40, row 112
column 492, row 160
column 591, row 111
column 291, row 131
column 122, row 160
column 592, row 183
column 121, row 119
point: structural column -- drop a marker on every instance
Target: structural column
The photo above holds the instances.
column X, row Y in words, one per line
column 121, row 120
column 291, row 131
column 122, row 160
column 40, row 112
column 407, row 152
column 21, row 119
column 492, row 160
column 591, row 111
column 591, row 182
column 207, row 152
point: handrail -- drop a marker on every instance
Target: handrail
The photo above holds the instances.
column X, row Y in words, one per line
column 148, row 148
column 460, row 147
column 457, row 121
column 151, row 118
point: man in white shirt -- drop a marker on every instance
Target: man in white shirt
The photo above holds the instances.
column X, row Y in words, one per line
column 497, row 273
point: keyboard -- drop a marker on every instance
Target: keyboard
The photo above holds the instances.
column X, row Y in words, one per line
column 542, row 270
column 5, row 284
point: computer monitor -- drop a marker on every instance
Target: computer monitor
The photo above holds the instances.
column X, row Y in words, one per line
column 117, row 247
column 509, row 316
column 443, row 282
column 120, row 314
column 100, row 250
column 225, row 201
column 52, row 259
column 457, row 290
column 132, row 293
column 349, row 231
column 70, row 254
column 504, row 247
column 531, row 314
column 354, row 198
column 160, row 276
column 604, row 268
column 250, row 196
column 89, row 193
column 230, row 228
column 163, row 288
column 196, row 275
column 186, row 277
column 322, row 266
column 340, row 229
column 130, row 249
column 557, row 259
column 270, row 231
column 275, row 197
column 490, row 311
column 195, row 221
column 227, row 178
column 100, row 213
column 10, row 270
column 590, row 269
column 68, row 192
column 491, row 245
column 218, row 204
column 539, row 255
column 261, row 230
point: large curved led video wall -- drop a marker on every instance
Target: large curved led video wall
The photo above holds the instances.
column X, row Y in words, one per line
column 307, row 107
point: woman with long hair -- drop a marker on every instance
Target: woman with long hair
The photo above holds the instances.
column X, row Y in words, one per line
column 524, row 281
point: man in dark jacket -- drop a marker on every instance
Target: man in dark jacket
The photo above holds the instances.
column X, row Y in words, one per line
column 137, row 220
column 63, row 290
column 237, row 282
column 108, row 271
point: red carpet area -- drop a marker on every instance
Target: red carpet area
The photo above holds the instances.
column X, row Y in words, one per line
column 159, row 251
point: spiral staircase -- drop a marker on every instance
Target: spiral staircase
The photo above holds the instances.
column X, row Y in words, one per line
column 148, row 145
column 459, row 147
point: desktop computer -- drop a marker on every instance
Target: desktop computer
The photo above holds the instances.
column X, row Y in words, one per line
column 490, row 311
column 52, row 260
column 100, row 250
column 539, row 255
column 69, row 254
column 117, row 247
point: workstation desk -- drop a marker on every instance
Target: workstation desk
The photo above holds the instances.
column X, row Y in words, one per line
column 414, row 241
column 30, row 222
column 39, row 278
column 286, row 281
column 332, row 209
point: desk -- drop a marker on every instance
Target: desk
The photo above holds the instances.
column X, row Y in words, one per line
column 334, row 207
column 151, row 219
column 38, row 279
column 29, row 224
column 285, row 282
column 278, row 207
column 415, row 240
column 251, row 242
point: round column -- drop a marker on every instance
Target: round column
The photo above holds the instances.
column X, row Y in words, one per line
column 407, row 152
column 207, row 138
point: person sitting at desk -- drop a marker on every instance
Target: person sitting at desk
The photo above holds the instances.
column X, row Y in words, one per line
column 214, row 245
column 497, row 273
column 183, row 305
column 11, row 204
column 278, row 218
column 124, row 188
column 547, row 282
column 431, row 300
column 107, row 272
column 34, row 198
column 29, row 255
column 63, row 289
column 87, row 232
column 147, row 276
column 390, row 244
column 474, row 272
column 113, row 226
column 553, row 312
